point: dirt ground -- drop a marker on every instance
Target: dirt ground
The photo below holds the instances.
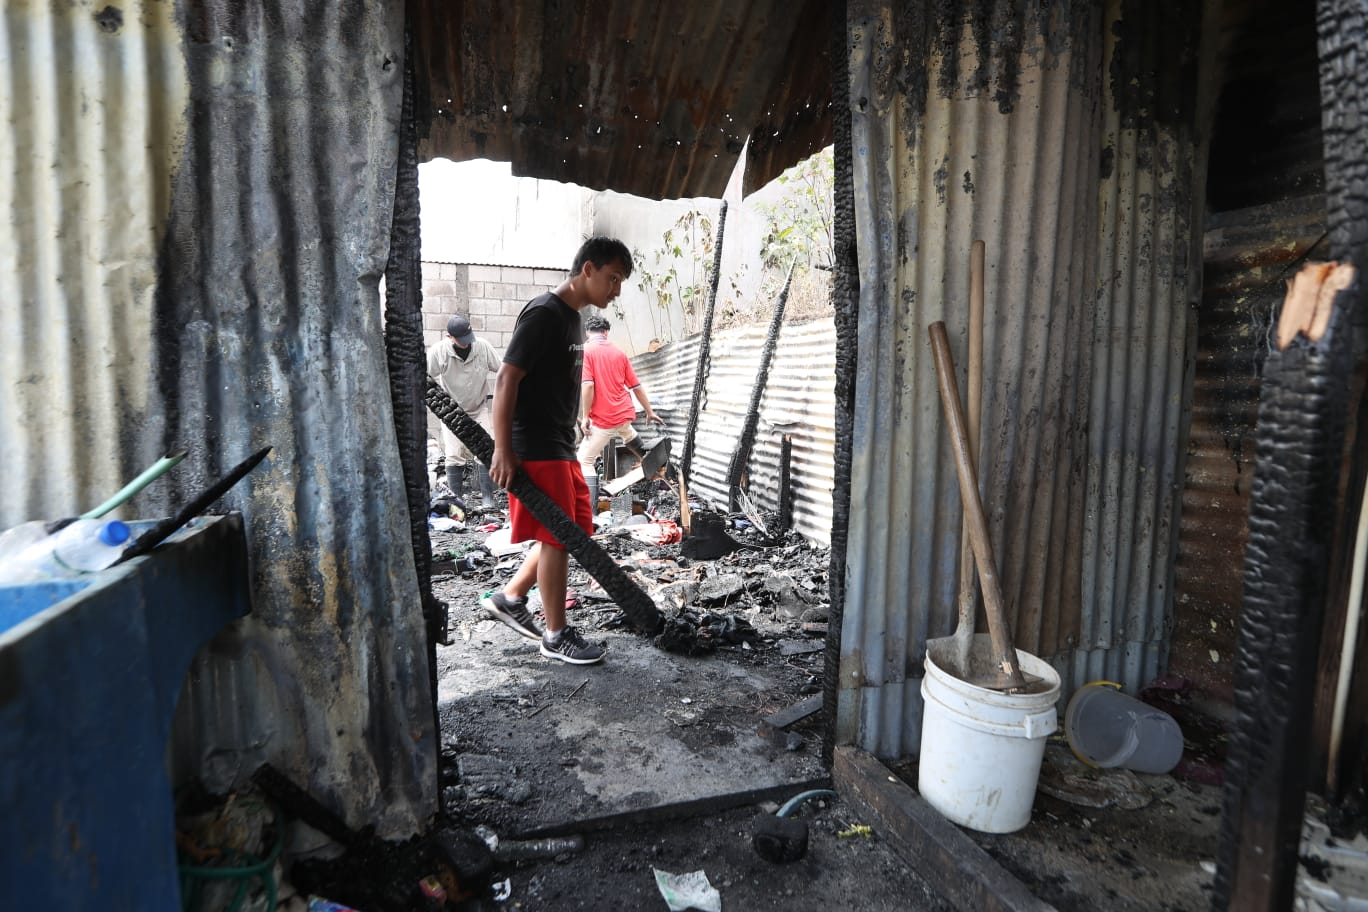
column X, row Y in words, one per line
column 533, row 746
column 657, row 760
column 1149, row 847
column 615, row 870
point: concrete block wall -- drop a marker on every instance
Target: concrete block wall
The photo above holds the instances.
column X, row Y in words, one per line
column 491, row 296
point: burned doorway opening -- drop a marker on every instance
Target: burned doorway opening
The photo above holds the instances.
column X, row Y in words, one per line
column 530, row 747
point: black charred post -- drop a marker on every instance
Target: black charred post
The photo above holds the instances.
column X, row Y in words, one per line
column 704, row 350
column 1340, row 25
column 845, row 302
column 786, row 482
column 741, row 456
column 641, row 612
column 408, row 368
column 1297, row 469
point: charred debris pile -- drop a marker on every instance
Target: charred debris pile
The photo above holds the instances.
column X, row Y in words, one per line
column 722, row 580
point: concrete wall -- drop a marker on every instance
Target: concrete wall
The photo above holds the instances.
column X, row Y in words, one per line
column 478, row 212
column 490, row 296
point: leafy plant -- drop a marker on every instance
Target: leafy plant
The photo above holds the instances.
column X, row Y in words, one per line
column 801, row 221
column 680, row 269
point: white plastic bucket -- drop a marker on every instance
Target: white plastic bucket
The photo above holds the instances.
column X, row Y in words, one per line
column 980, row 748
column 1107, row 728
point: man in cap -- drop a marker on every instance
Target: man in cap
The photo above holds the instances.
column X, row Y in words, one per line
column 462, row 365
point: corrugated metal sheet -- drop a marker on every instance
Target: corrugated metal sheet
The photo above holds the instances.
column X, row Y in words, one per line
column 196, row 216
column 1247, row 259
column 1057, row 134
column 627, row 95
column 93, row 108
column 798, row 401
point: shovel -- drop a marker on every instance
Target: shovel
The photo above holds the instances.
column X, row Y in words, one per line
column 1006, row 673
column 968, row 601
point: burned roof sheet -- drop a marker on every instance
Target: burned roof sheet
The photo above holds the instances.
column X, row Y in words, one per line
column 622, row 95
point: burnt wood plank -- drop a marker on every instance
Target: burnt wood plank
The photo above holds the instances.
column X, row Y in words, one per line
column 951, row 862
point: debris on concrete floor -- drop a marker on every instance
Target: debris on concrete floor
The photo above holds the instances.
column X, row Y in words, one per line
column 763, row 589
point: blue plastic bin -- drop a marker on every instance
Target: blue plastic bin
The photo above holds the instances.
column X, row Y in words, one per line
column 90, row 672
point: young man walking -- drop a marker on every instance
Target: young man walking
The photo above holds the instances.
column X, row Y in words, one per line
column 608, row 410
column 536, row 399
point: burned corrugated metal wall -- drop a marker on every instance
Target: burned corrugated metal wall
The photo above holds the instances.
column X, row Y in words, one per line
column 797, row 402
column 1247, row 257
column 195, row 245
column 1062, row 134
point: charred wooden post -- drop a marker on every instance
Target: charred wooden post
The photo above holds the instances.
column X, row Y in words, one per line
column 1342, row 709
column 1297, row 468
column 704, row 349
column 845, row 306
column 786, row 482
column 641, row 612
column 408, row 369
column 741, row 456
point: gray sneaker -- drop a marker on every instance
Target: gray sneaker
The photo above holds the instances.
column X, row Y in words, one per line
column 572, row 648
column 512, row 612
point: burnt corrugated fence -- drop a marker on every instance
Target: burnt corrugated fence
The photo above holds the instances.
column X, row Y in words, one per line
column 1060, row 134
column 798, row 402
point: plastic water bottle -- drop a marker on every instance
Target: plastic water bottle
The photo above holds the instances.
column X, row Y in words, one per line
column 85, row 546
column 13, row 541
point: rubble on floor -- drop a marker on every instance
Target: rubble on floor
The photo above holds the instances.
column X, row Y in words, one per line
column 761, row 590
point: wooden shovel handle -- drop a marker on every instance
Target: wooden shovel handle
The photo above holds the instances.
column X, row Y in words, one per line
column 998, row 629
column 968, row 596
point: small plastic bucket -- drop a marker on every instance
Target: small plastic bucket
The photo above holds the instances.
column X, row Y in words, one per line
column 980, row 748
column 1107, row 728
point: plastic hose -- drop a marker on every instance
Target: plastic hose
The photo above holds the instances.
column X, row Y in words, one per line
column 155, row 471
column 793, row 803
column 244, row 873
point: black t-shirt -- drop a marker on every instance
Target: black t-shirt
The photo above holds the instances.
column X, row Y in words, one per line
column 548, row 343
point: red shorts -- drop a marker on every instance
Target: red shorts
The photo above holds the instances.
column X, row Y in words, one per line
column 563, row 482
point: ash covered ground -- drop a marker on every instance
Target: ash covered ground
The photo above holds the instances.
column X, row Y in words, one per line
column 532, row 746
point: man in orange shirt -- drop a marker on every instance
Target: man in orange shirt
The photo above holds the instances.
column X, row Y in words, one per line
column 606, row 409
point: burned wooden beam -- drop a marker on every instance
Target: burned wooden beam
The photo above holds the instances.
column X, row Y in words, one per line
column 786, row 483
column 640, row 611
column 1296, row 476
column 952, row 863
column 407, row 368
column 795, row 713
column 741, row 456
column 704, row 348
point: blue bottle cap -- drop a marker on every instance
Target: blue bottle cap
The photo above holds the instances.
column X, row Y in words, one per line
column 114, row 532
